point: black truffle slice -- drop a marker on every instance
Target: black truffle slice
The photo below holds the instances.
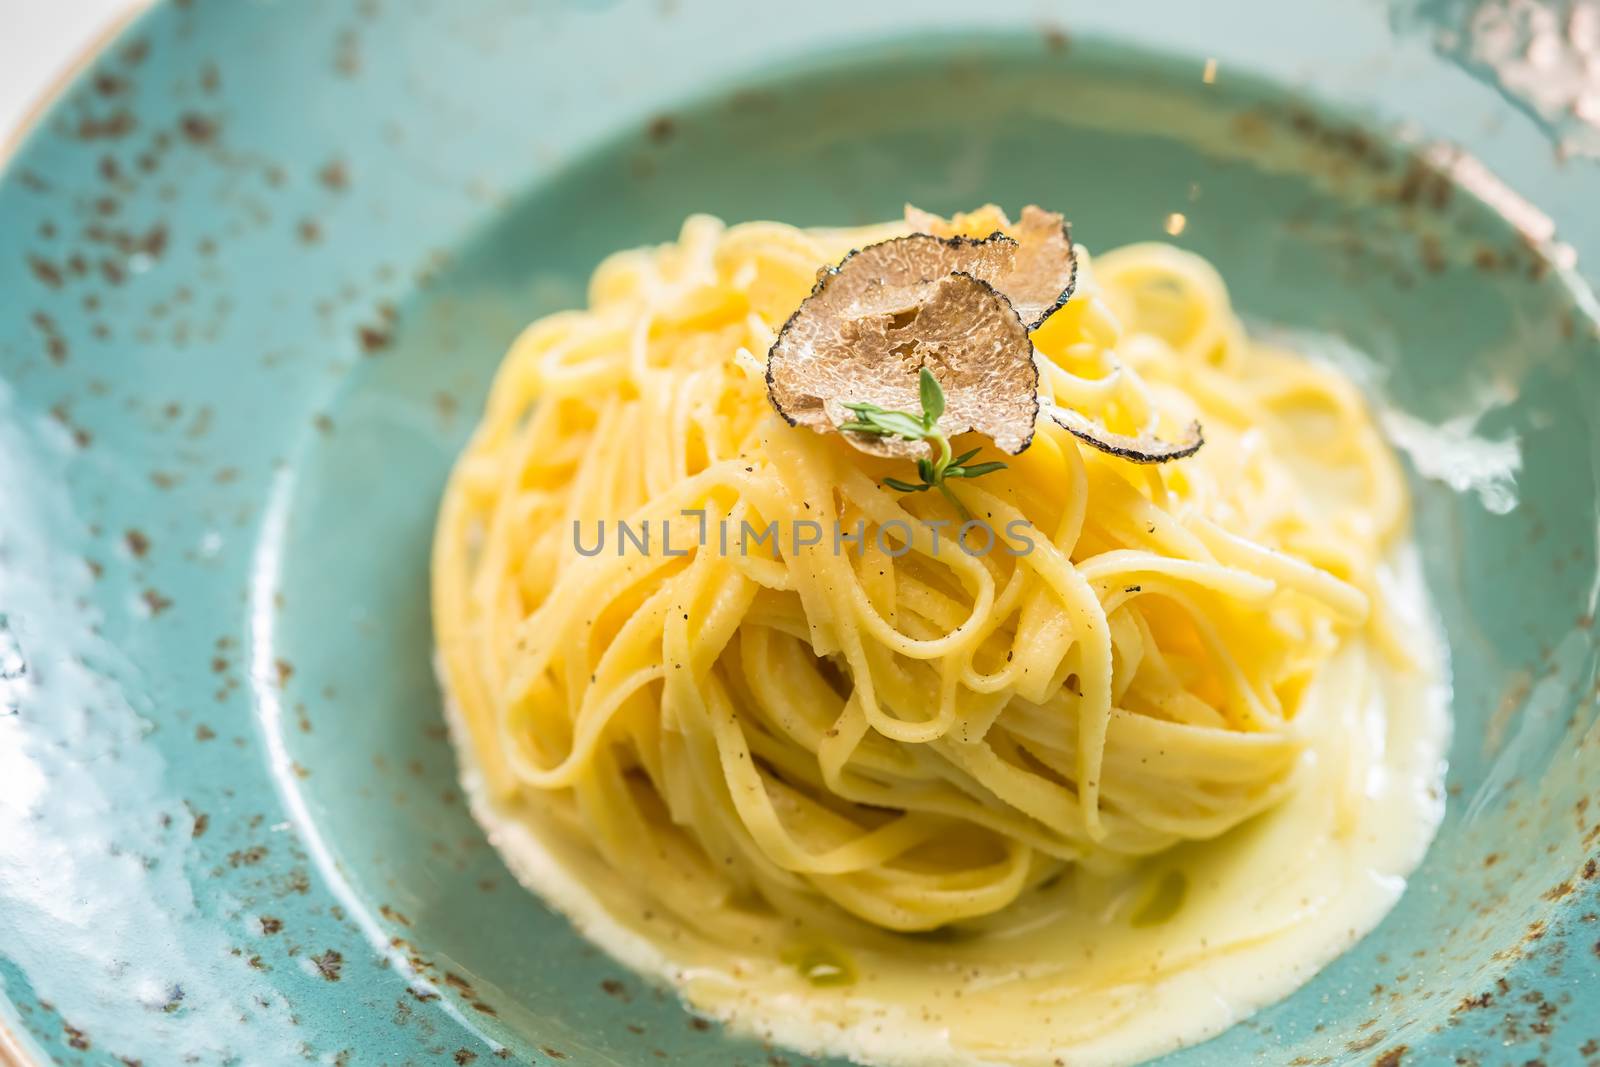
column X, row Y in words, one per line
column 1142, row 449
column 893, row 274
column 1040, row 275
column 887, row 311
column 1044, row 271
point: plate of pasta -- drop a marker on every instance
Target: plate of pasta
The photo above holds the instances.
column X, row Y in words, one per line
column 868, row 538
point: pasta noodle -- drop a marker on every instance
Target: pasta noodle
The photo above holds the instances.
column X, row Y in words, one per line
column 901, row 732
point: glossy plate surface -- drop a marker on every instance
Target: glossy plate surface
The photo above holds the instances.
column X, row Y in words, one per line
column 258, row 263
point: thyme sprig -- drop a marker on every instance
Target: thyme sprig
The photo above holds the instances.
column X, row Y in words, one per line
column 876, row 421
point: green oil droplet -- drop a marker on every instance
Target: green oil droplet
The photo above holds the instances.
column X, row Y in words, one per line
column 1162, row 900
column 821, row 965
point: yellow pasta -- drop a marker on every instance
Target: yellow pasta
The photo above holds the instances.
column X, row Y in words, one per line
column 892, row 732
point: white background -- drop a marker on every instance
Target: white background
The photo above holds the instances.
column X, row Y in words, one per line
column 40, row 40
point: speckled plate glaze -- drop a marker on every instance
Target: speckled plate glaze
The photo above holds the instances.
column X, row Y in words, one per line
column 259, row 261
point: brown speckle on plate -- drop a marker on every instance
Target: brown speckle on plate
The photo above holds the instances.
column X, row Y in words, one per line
column 46, row 271
column 247, row 857
column 393, row 915
column 347, row 54
column 115, row 126
column 662, row 128
column 198, row 129
column 108, row 83
column 75, row 1037
column 373, row 340
column 334, row 176
column 1361, row 1044
column 329, row 964
column 55, row 345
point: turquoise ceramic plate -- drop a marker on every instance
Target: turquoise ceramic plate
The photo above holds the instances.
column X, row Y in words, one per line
column 258, row 262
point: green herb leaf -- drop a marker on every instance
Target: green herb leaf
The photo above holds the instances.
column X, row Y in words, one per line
column 961, row 459
column 905, row 487
column 932, row 399
column 872, row 419
column 886, row 424
column 899, row 423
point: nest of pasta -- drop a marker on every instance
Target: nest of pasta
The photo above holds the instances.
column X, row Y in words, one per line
column 894, row 729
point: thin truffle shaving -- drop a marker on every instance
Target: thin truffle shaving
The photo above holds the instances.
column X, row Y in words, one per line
column 889, row 310
column 961, row 305
column 1045, row 269
column 1042, row 271
column 1144, row 448
column 894, row 274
